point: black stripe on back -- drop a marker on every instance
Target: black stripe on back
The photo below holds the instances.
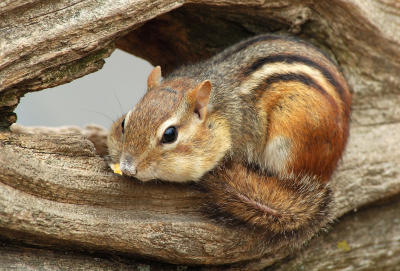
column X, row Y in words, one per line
column 269, row 37
column 295, row 59
column 302, row 78
column 169, row 90
column 245, row 44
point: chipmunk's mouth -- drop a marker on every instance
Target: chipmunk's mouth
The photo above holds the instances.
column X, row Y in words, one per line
column 117, row 169
column 128, row 165
column 125, row 167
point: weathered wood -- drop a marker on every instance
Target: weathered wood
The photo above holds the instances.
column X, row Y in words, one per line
column 55, row 190
column 37, row 38
column 349, row 244
column 352, row 244
column 74, row 199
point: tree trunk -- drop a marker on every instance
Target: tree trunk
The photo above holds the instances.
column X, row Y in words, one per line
column 60, row 205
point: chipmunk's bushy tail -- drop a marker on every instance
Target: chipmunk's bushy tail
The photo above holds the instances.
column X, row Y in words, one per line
column 289, row 207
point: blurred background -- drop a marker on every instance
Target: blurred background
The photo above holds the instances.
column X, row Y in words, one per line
column 97, row 98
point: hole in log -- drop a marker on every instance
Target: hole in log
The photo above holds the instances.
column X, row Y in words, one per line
column 179, row 37
column 98, row 98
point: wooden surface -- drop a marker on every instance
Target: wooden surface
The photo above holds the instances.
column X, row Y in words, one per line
column 349, row 244
column 57, row 192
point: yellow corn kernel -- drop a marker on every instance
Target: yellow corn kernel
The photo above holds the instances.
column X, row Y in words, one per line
column 115, row 168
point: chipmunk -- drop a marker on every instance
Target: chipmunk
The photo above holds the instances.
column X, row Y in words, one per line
column 261, row 125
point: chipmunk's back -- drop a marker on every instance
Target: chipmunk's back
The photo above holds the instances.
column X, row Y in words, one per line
column 235, row 65
column 288, row 99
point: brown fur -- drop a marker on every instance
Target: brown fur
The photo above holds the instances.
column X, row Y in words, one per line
column 264, row 141
column 297, row 112
column 277, row 208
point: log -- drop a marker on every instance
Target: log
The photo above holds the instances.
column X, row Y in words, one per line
column 348, row 244
column 56, row 190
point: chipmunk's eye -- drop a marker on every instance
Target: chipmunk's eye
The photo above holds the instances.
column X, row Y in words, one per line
column 123, row 126
column 170, row 135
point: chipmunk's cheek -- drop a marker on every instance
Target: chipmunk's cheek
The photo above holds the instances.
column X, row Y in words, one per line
column 144, row 175
column 144, row 178
column 185, row 169
column 148, row 170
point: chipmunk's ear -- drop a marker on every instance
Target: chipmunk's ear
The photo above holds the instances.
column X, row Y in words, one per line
column 199, row 96
column 154, row 78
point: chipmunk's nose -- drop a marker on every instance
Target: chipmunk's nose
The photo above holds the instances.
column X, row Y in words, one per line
column 127, row 165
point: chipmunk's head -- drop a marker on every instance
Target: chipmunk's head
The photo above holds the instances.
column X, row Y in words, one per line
column 168, row 134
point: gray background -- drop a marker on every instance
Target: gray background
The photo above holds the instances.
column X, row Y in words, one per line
column 92, row 99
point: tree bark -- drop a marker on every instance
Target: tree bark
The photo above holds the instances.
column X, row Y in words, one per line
column 56, row 191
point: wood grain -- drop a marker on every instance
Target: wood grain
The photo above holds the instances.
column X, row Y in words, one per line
column 56, row 190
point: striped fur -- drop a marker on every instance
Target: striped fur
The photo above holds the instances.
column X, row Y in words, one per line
column 275, row 128
column 278, row 208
